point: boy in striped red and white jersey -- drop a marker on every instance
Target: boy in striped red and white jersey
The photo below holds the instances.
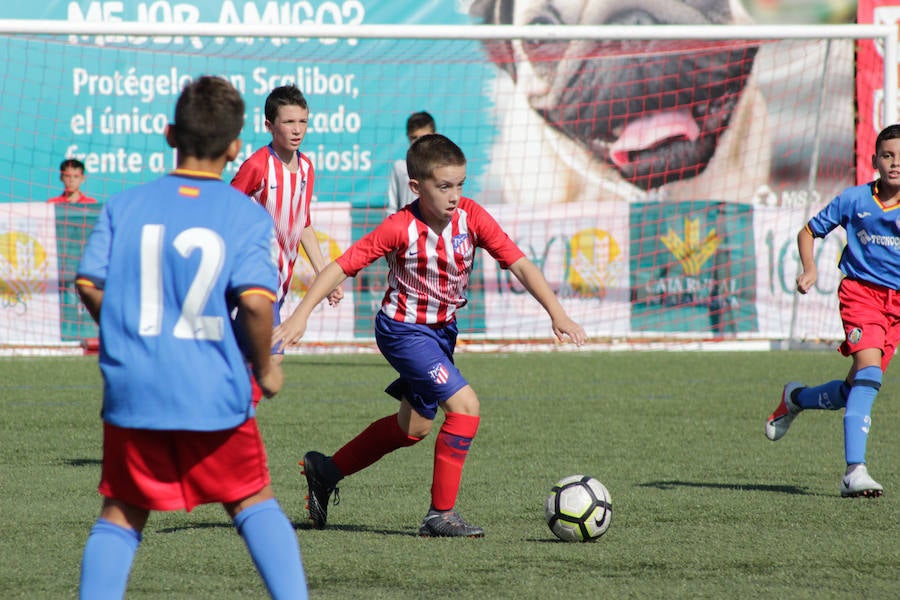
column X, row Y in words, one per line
column 430, row 248
column 281, row 178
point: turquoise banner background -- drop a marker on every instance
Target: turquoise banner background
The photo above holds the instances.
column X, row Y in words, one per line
column 693, row 268
column 106, row 99
column 73, row 225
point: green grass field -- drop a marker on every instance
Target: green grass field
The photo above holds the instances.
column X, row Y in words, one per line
column 704, row 505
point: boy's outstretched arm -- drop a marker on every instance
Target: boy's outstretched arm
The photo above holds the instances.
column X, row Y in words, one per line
column 292, row 329
column 255, row 316
column 310, row 242
column 533, row 280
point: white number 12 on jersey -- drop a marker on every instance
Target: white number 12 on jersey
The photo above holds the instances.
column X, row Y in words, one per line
column 191, row 323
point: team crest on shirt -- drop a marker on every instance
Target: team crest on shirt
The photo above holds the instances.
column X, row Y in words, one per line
column 461, row 244
column 854, row 335
column 439, row 373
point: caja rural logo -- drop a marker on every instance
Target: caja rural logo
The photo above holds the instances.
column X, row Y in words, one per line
column 693, row 267
column 24, row 270
column 692, row 251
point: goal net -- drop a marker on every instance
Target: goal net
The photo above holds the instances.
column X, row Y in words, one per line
column 657, row 181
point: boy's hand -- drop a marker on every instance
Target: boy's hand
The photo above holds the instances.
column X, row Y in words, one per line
column 289, row 332
column 336, row 295
column 567, row 327
column 806, row 280
column 271, row 381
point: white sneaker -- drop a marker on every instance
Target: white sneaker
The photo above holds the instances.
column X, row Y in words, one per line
column 857, row 482
column 780, row 420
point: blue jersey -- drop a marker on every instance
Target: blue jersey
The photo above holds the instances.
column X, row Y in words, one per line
column 172, row 256
column 872, row 253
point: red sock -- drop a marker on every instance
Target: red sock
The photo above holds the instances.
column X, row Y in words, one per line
column 450, row 450
column 376, row 440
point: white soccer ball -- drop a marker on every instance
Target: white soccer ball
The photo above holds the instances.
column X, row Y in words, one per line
column 578, row 509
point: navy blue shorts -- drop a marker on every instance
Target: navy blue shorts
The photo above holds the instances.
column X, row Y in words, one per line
column 424, row 359
column 276, row 321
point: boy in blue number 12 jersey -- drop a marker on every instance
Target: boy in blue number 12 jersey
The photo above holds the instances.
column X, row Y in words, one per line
column 869, row 298
column 163, row 270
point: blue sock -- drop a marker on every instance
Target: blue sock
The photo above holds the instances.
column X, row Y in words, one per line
column 106, row 561
column 857, row 416
column 272, row 543
column 828, row 396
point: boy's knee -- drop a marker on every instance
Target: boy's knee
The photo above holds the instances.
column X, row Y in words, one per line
column 465, row 402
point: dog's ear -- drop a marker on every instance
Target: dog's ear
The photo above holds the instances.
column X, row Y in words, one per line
column 496, row 12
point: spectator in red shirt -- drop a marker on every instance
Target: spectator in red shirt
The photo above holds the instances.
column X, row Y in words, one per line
column 71, row 173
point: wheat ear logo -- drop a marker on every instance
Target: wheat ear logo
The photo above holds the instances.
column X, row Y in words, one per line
column 691, row 251
column 593, row 253
column 23, row 269
column 304, row 274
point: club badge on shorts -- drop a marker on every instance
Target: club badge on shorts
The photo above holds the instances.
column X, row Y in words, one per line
column 854, row 335
column 439, row 373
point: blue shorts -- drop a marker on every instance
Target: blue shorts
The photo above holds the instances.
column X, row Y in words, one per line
column 423, row 357
column 276, row 321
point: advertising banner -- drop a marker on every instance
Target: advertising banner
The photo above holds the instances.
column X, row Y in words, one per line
column 326, row 323
column 784, row 313
column 73, row 226
column 870, row 83
column 657, row 184
column 29, row 302
column 693, row 268
column 582, row 250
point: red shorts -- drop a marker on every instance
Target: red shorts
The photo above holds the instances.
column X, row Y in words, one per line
column 171, row 470
column 871, row 317
column 255, row 391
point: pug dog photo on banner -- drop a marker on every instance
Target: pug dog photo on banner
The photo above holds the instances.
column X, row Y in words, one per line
column 589, row 120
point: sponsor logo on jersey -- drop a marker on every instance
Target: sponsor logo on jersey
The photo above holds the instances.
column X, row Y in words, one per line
column 891, row 241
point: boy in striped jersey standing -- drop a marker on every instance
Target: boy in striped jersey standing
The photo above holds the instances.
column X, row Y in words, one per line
column 281, row 178
column 430, row 249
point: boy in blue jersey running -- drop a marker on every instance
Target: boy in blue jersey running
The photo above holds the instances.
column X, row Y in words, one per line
column 163, row 270
column 869, row 298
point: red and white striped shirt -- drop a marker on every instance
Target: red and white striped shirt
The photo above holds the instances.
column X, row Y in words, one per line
column 286, row 196
column 429, row 273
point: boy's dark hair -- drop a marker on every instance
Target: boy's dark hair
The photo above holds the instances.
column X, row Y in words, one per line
column 891, row 132
column 430, row 152
column 285, row 95
column 419, row 120
column 71, row 163
column 209, row 115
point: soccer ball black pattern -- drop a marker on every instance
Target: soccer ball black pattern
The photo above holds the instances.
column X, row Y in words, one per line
column 578, row 509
